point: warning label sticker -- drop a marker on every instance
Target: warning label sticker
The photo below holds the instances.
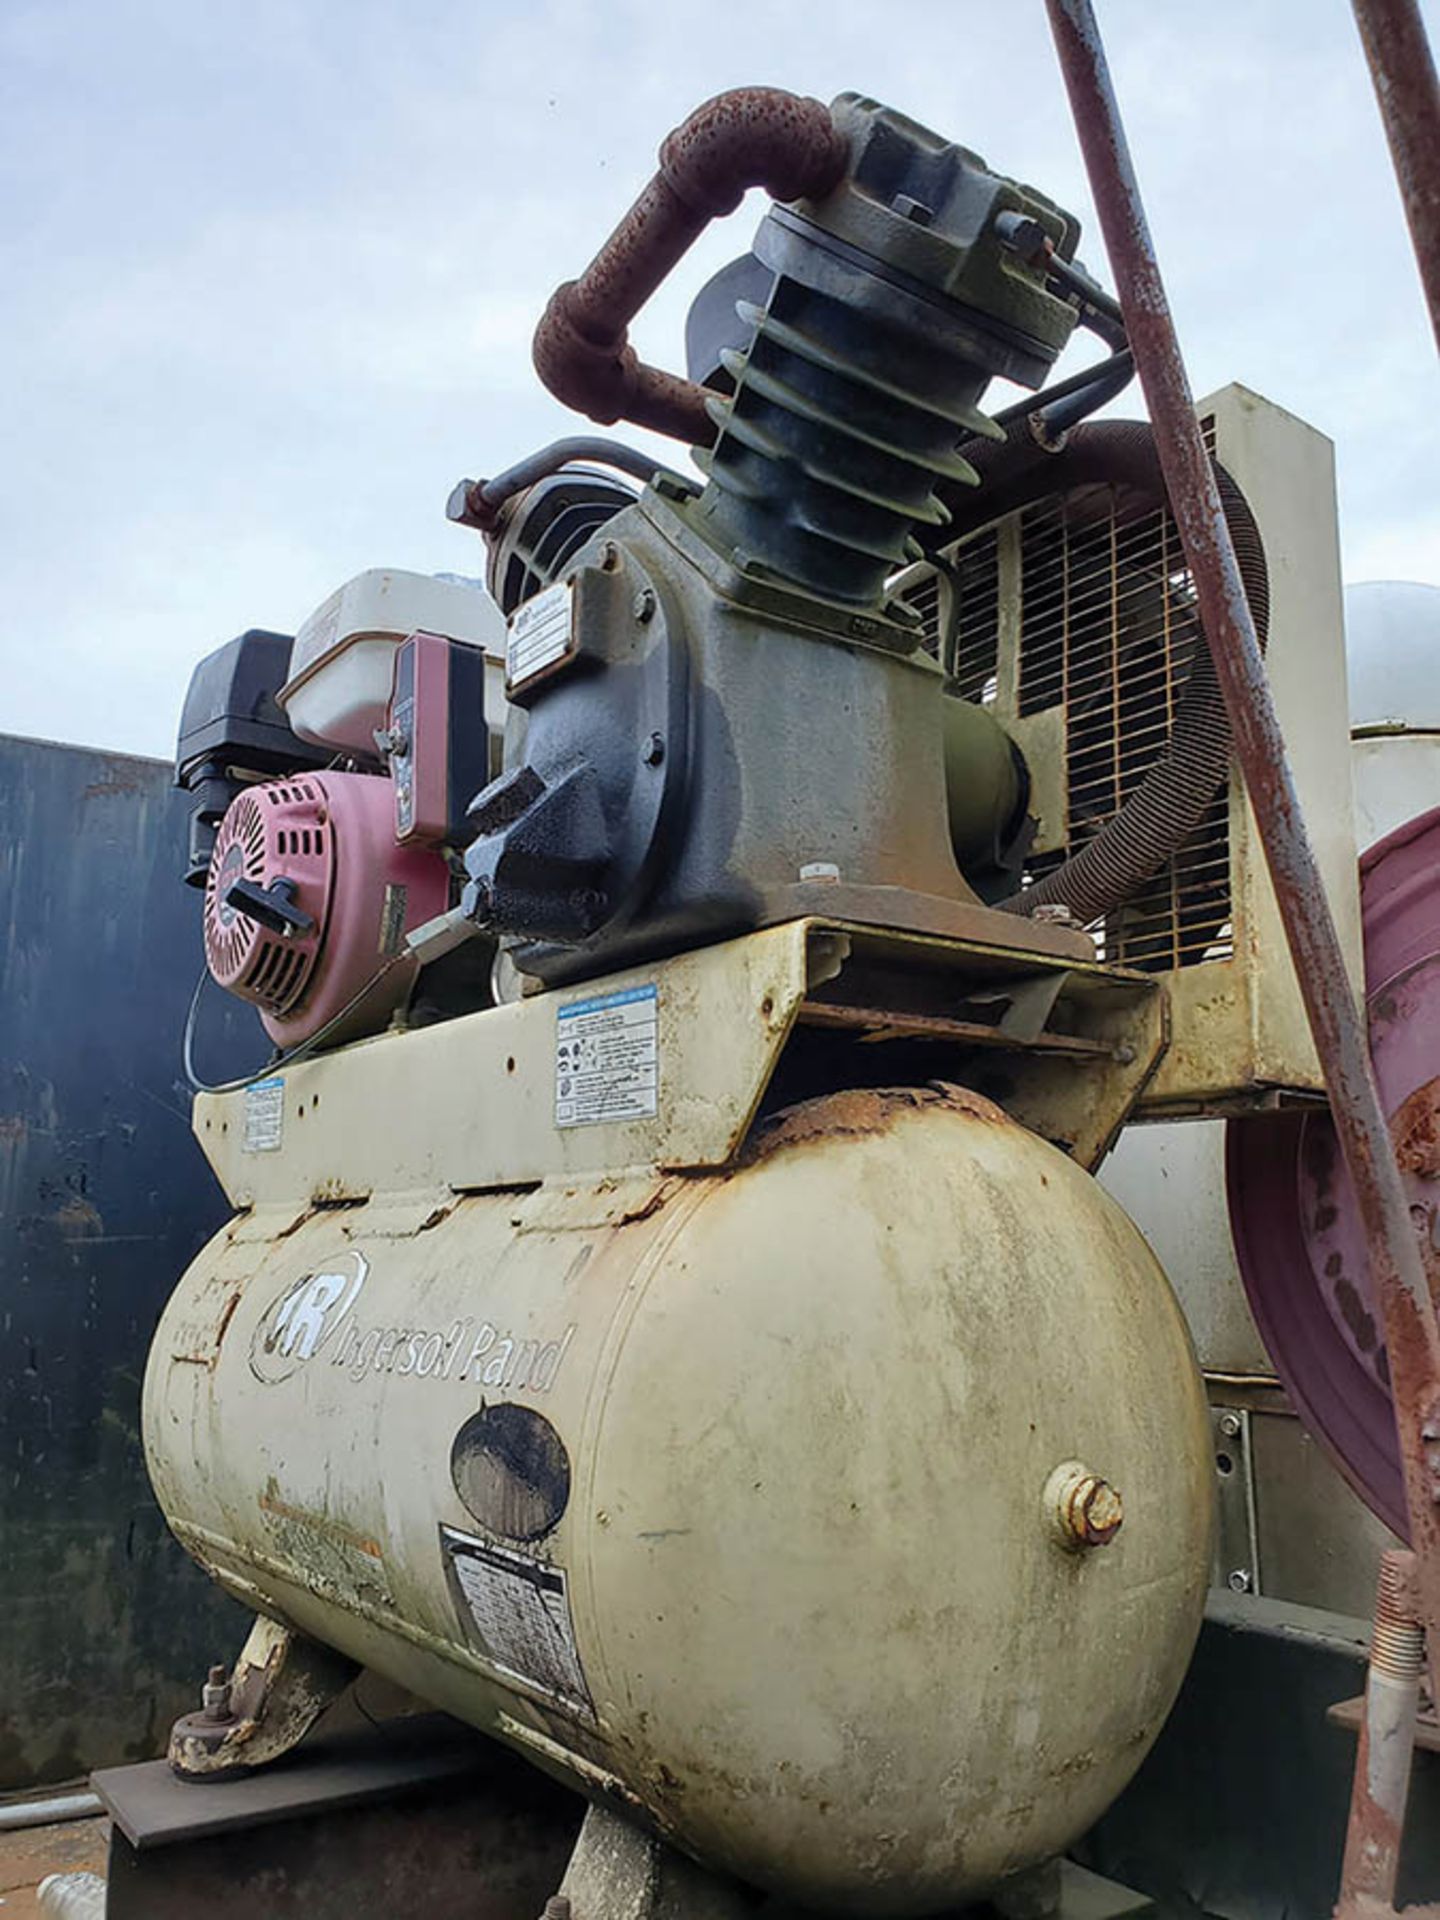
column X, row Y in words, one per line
column 539, row 634
column 517, row 1614
column 265, row 1115
column 607, row 1058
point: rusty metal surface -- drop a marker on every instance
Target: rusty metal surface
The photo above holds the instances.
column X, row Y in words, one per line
column 1350, row 1713
column 281, row 1685
column 748, row 137
column 1398, row 1276
column 1395, row 42
column 1084, row 1509
column 912, row 1237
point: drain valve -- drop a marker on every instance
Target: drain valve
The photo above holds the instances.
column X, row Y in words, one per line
column 1082, row 1509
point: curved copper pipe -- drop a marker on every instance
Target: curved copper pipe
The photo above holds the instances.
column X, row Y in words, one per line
column 749, row 137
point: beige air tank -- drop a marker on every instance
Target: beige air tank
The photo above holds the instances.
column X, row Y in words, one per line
column 753, row 1498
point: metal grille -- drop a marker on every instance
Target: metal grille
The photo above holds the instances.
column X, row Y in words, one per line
column 976, row 653
column 1107, row 632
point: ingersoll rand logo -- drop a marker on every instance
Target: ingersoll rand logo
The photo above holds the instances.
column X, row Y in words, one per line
column 315, row 1322
column 306, row 1318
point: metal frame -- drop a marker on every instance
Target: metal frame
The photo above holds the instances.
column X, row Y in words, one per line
column 1393, row 35
column 1398, row 1278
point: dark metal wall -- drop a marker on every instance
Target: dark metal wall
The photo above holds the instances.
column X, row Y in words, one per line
column 1239, row 1811
column 105, row 1625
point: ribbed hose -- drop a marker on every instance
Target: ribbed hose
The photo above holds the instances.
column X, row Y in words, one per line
column 1172, row 798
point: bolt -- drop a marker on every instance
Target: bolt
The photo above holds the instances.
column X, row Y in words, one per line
column 1083, row 1510
column 915, row 210
column 1124, row 1055
column 1230, row 1425
column 215, row 1696
column 653, row 751
column 1024, row 235
column 588, row 905
column 557, row 1907
column 672, row 486
column 1054, row 913
column 609, row 556
column 1240, row 1580
column 643, row 606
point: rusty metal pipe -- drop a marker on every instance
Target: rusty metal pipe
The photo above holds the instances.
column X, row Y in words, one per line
column 1397, row 1275
column 1387, row 1742
column 1393, row 35
column 749, row 137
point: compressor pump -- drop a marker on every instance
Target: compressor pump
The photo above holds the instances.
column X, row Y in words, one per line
column 669, row 1320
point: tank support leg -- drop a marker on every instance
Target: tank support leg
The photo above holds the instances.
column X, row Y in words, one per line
column 618, row 1872
column 1034, row 1895
column 281, row 1685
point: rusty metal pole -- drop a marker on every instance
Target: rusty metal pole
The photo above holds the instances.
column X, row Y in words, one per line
column 1397, row 1273
column 1387, row 1742
column 1393, row 35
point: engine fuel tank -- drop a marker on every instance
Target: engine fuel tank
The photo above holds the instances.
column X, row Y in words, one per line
column 729, row 1496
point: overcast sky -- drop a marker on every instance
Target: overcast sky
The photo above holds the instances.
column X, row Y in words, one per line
column 268, row 273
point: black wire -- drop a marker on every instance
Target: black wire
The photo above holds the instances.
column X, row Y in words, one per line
column 281, row 1060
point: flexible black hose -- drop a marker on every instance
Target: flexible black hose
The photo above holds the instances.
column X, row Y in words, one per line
column 1171, row 800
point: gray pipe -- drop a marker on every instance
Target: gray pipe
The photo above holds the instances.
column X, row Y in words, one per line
column 46, row 1813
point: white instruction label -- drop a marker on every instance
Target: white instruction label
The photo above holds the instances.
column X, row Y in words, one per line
column 517, row 1612
column 265, row 1115
column 607, row 1058
column 539, row 634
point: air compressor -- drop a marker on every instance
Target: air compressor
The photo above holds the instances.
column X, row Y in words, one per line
column 669, row 1320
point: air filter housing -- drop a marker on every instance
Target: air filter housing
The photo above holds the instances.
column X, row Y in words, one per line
column 309, row 900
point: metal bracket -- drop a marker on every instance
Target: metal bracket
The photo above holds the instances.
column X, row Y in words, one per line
column 1237, row 1545
column 281, row 1685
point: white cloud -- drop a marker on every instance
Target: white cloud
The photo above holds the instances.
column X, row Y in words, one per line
column 270, row 274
